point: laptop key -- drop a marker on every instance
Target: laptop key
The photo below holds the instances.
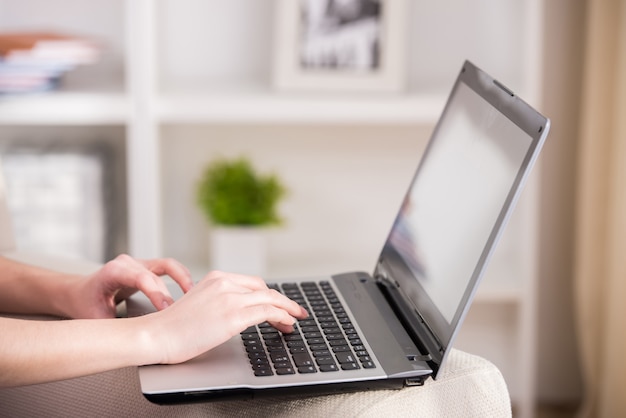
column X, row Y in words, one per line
column 324, row 360
column 302, row 359
column 282, row 364
column 345, row 358
column 307, row 369
column 341, row 348
column 368, row 365
column 254, row 348
column 284, row 370
column 329, row 368
column 274, row 343
column 257, row 354
column 276, row 349
column 318, row 347
column 292, row 337
column 308, row 329
column 260, row 360
column 276, row 357
column 263, row 373
column 349, row 366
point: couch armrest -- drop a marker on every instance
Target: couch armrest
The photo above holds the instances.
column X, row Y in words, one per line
column 468, row 386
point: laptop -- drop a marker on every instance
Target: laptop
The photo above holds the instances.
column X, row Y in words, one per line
column 395, row 326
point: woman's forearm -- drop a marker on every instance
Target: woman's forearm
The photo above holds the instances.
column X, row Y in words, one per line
column 28, row 289
column 43, row 351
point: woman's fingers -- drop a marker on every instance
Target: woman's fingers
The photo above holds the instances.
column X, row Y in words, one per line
column 145, row 276
column 254, row 292
column 266, row 305
column 155, row 289
column 170, row 267
column 124, row 275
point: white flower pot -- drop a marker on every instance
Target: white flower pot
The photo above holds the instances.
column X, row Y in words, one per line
column 239, row 250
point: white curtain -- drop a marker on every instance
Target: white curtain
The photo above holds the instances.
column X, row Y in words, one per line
column 600, row 269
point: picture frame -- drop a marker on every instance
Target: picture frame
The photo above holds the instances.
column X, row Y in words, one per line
column 340, row 45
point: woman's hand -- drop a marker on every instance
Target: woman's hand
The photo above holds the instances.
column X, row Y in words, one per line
column 97, row 295
column 214, row 310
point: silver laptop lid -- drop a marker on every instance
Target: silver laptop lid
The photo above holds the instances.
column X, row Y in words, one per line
column 466, row 185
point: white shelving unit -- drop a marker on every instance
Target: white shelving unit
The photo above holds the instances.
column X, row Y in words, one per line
column 188, row 80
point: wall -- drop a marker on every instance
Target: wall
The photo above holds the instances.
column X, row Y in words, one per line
column 339, row 179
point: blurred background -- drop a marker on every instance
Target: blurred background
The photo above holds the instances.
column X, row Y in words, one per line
column 103, row 156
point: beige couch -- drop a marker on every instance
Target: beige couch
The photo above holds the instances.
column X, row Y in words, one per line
column 468, row 386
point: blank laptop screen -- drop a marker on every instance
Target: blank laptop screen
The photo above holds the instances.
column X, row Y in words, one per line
column 457, row 202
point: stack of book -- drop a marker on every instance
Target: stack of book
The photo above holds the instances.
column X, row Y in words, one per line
column 36, row 61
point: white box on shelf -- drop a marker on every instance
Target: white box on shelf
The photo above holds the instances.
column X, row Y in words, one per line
column 56, row 203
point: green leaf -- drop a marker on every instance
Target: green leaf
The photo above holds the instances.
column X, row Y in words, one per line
column 232, row 193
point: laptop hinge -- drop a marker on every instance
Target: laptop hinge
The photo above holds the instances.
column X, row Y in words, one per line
column 412, row 321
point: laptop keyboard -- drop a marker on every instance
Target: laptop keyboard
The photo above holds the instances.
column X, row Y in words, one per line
column 326, row 341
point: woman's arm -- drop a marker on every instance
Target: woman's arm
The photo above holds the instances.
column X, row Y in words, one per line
column 217, row 308
column 43, row 351
column 27, row 289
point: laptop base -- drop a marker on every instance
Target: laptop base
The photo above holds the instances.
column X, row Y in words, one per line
column 281, row 393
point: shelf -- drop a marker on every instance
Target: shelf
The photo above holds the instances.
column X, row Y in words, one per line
column 65, row 108
column 252, row 104
column 248, row 107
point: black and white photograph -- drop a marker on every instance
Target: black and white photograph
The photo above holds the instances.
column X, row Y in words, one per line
column 341, row 34
column 340, row 45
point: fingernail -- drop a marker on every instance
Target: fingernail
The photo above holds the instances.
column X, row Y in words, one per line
column 165, row 304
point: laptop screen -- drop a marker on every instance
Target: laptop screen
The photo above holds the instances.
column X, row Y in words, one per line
column 459, row 198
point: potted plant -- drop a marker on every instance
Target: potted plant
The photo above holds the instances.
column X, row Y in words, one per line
column 239, row 203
